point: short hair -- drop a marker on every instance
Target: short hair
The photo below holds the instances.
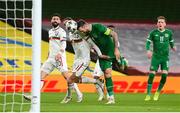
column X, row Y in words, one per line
column 161, row 17
column 56, row 14
column 81, row 23
column 67, row 18
column 112, row 26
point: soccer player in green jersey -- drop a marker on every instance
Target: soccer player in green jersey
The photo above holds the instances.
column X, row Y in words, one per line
column 161, row 39
column 107, row 41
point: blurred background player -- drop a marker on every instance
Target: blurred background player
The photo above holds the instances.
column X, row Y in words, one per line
column 161, row 39
column 57, row 56
column 101, row 35
column 81, row 46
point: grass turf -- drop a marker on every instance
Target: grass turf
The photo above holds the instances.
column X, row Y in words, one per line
column 50, row 102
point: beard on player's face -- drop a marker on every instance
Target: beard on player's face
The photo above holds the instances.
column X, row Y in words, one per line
column 55, row 24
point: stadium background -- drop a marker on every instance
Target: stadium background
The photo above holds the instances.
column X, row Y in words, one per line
column 133, row 20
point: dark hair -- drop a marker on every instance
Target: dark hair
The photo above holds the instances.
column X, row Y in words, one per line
column 56, row 14
column 161, row 17
column 81, row 23
column 112, row 26
column 67, row 18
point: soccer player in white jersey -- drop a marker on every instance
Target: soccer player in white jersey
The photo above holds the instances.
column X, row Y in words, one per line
column 57, row 57
column 82, row 45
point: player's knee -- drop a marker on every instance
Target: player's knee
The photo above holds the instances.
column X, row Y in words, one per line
column 65, row 75
column 107, row 73
column 164, row 72
column 43, row 75
column 70, row 80
column 153, row 72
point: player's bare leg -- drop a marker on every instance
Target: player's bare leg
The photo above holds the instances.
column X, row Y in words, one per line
column 99, row 90
column 43, row 75
column 109, row 86
column 149, row 87
column 161, row 84
column 71, row 86
column 83, row 79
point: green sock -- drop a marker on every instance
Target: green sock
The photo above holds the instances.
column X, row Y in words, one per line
column 109, row 86
column 149, row 89
column 150, row 81
column 162, row 82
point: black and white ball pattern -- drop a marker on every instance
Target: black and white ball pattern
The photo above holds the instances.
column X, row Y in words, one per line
column 71, row 25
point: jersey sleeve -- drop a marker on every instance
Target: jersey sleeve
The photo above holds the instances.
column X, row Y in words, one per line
column 149, row 40
column 171, row 40
column 104, row 29
column 94, row 46
column 62, row 47
column 63, row 34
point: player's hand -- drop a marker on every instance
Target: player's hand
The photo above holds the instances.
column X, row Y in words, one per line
column 58, row 57
column 104, row 57
column 174, row 49
column 149, row 54
column 117, row 53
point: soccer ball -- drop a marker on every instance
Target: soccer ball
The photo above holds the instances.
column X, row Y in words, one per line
column 71, row 26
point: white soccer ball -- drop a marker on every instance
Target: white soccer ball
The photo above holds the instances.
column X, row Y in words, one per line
column 71, row 25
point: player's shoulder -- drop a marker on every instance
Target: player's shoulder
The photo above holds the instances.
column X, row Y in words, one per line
column 153, row 31
column 61, row 29
column 169, row 30
column 97, row 25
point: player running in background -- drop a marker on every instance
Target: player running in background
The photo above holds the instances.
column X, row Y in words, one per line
column 82, row 45
column 57, row 56
column 107, row 41
column 161, row 39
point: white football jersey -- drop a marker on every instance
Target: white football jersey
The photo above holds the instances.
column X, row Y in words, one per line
column 57, row 41
column 75, row 36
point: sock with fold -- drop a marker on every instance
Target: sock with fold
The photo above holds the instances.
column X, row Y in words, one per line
column 150, row 81
column 162, row 82
column 109, row 86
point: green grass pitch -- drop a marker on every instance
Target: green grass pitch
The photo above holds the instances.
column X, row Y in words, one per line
column 50, row 102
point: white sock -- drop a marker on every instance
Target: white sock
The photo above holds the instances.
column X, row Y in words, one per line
column 70, row 87
column 112, row 96
column 99, row 90
column 76, row 89
column 42, row 84
column 88, row 80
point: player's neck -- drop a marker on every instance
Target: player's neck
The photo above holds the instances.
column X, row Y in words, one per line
column 90, row 27
column 161, row 30
column 56, row 27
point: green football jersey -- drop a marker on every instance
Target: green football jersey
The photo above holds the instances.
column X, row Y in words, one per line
column 101, row 36
column 161, row 41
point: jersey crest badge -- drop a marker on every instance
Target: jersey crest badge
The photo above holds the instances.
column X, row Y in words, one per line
column 166, row 35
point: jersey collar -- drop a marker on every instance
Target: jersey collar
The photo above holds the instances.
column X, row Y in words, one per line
column 56, row 28
column 161, row 31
